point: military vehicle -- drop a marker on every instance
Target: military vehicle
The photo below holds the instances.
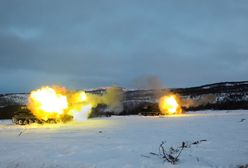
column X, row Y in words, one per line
column 24, row 116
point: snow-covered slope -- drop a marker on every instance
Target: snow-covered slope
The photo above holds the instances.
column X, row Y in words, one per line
column 218, row 96
column 125, row 142
column 13, row 99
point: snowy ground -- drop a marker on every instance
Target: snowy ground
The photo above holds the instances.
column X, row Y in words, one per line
column 122, row 142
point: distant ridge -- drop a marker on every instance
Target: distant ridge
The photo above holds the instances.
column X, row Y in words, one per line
column 224, row 96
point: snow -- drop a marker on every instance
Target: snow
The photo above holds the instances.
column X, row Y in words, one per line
column 15, row 98
column 123, row 141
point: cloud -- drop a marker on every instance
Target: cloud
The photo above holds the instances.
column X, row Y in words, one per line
column 96, row 43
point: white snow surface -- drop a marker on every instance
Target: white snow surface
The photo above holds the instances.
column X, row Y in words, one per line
column 124, row 141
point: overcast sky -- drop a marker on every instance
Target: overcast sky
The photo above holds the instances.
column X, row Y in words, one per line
column 94, row 43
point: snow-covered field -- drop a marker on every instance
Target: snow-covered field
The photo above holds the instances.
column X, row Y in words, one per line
column 125, row 142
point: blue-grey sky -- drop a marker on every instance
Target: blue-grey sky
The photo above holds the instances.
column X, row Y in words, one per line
column 94, row 43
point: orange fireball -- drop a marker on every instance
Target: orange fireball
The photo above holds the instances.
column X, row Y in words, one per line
column 169, row 105
column 61, row 104
column 58, row 103
column 47, row 102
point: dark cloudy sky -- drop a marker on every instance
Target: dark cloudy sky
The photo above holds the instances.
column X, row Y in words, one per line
column 93, row 43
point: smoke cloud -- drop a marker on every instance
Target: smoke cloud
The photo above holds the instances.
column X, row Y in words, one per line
column 148, row 82
column 58, row 102
column 112, row 98
column 200, row 101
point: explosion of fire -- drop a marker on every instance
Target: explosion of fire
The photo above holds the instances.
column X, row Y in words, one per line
column 169, row 105
column 61, row 104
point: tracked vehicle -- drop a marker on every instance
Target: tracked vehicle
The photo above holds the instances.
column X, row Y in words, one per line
column 24, row 116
